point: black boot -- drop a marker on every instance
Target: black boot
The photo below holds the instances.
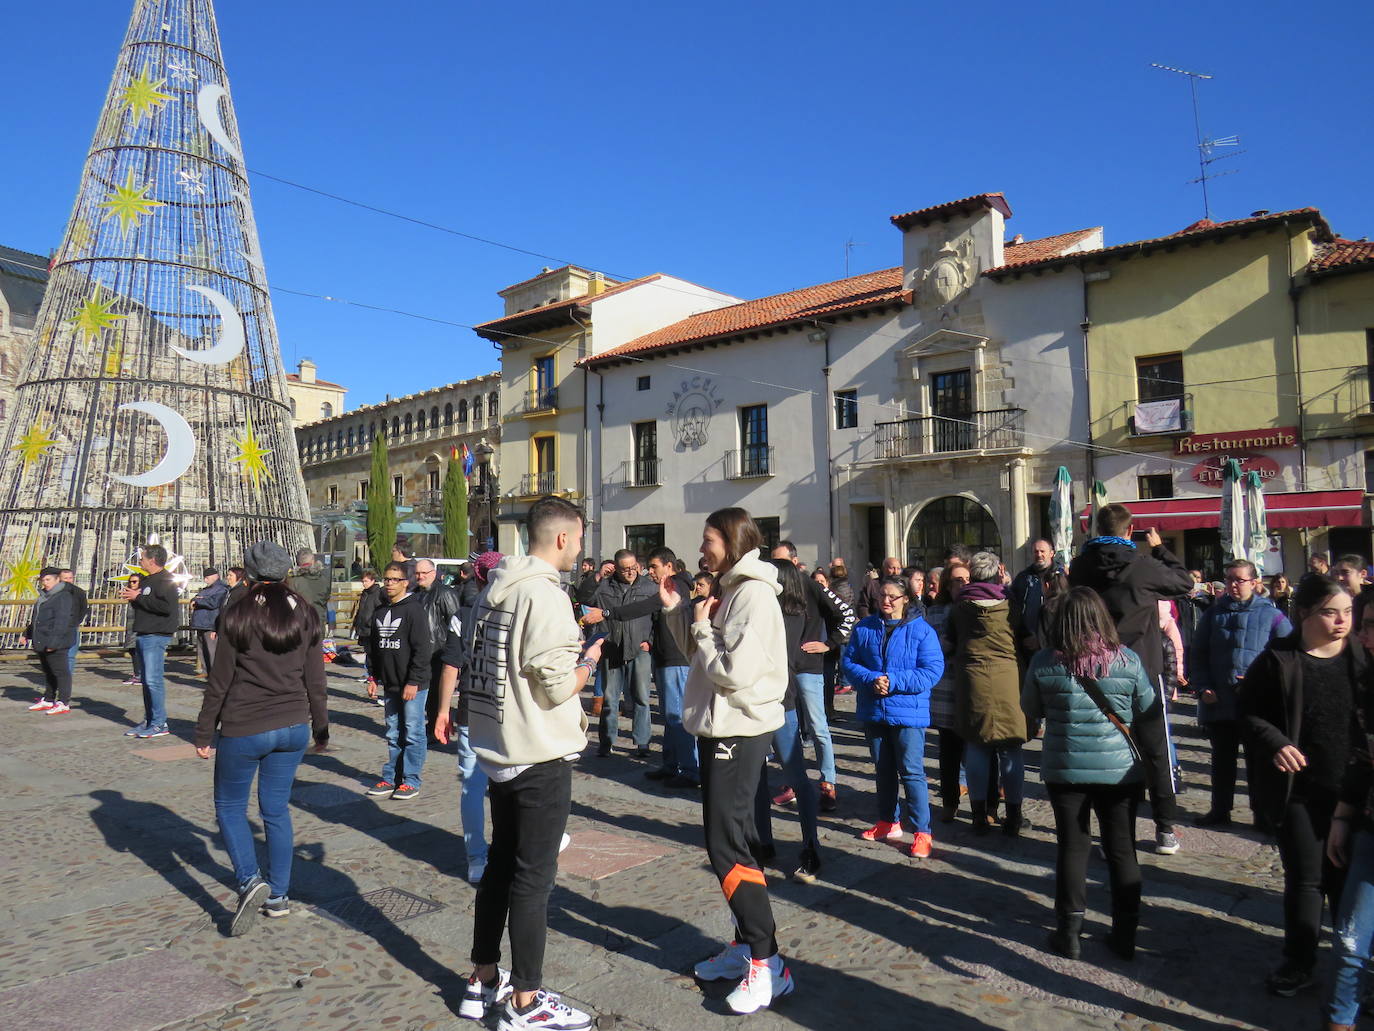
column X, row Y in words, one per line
column 980, row 818
column 1011, row 826
column 1121, row 938
column 1064, row 938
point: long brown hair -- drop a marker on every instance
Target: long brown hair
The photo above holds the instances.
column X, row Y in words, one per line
column 276, row 614
column 739, row 532
column 1083, row 633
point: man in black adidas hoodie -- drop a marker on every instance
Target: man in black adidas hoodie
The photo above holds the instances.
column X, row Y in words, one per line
column 398, row 657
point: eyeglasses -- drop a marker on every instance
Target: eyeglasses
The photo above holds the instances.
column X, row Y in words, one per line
column 893, row 597
column 1240, row 579
column 393, row 579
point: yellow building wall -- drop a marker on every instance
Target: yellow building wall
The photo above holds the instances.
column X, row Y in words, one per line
column 1223, row 305
column 518, row 428
column 1336, row 314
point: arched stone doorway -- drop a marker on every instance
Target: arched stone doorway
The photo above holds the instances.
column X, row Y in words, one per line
column 946, row 521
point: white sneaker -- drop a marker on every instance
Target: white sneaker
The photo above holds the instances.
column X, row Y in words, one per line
column 729, row 963
column 58, row 708
column 563, row 845
column 40, row 705
column 766, row 980
column 549, row 1013
column 479, row 998
column 475, row 872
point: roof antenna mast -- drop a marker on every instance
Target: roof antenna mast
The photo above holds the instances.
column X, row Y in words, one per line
column 1206, row 145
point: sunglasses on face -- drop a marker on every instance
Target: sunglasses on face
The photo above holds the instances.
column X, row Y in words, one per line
column 393, row 579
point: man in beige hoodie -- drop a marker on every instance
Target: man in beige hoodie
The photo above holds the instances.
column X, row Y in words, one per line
column 526, row 724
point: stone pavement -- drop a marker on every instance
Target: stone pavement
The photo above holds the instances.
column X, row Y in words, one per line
column 115, row 899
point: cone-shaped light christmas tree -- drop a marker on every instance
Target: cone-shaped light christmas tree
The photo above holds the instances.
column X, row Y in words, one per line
column 154, row 401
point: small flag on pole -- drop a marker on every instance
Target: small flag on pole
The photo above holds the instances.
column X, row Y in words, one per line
column 467, row 462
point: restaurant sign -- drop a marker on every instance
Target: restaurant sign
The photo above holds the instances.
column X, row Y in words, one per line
column 1239, row 440
column 1208, row 473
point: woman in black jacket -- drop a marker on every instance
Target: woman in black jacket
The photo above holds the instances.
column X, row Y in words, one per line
column 1297, row 708
column 266, row 692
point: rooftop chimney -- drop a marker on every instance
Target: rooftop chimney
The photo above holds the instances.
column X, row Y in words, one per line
column 306, row 368
column 1019, row 238
column 1260, row 213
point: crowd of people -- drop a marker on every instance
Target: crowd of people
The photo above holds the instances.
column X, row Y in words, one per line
column 746, row 656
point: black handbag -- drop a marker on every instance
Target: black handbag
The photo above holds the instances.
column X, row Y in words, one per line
column 1093, row 691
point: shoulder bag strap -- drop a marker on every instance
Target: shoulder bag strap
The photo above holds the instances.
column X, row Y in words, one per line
column 1094, row 691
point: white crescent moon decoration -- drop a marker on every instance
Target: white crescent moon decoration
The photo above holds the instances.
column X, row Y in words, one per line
column 251, row 253
column 207, row 107
column 181, row 446
column 231, row 339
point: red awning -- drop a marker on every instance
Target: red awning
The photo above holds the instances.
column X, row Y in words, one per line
column 1292, row 511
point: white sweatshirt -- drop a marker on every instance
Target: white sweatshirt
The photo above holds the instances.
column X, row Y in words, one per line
column 523, row 704
column 738, row 672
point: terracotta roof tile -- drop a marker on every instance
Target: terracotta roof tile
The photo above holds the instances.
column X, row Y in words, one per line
column 963, row 205
column 295, row 377
column 1044, row 248
column 571, row 302
column 1198, row 228
column 1341, row 255
column 810, row 302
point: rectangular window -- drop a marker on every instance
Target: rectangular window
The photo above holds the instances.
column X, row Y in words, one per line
column 951, row 405
column 1155, row 486
column 771, row 528
column 643, row 539
column 333, row 494
column 646, row 453
column 1369, row 472
column 434, row 479
column 1159, row 378
column 362, row 490
column 1368, row 368
column 753, row 439
column 846, row 409
column 398, row 488
column 544, row 455
column 642, row 383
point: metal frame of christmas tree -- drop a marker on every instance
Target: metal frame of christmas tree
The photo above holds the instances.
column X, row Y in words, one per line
column 155, row 401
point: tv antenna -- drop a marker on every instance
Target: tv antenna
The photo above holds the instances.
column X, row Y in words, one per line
column 849, row 246
column 1206, row 145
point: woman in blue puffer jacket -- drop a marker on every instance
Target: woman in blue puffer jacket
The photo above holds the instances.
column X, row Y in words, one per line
column 1086, row 762
column 893, row 659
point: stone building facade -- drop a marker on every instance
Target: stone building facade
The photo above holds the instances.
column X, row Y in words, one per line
column 23, row 278
column 313, row 398
column 422, row 430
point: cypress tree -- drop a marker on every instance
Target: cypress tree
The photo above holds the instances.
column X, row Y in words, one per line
column 455, row 510
column 381, row 507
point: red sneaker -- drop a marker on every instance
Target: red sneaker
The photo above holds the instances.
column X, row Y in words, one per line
column 920, row 846
column 784, row 796
column 882, row 831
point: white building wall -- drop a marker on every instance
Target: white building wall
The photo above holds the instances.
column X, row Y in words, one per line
column 629, row 314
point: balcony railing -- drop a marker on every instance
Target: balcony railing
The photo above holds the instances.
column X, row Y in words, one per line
column 539, row 400
column 937, row 434
column 646, row 472
column 1162, row 415
column 750, row 460
column 538, row 483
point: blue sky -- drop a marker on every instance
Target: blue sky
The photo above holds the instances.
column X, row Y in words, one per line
column 738, row 145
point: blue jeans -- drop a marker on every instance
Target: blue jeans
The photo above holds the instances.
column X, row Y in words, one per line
column 613, row 683
column 679, row 747
column 811, row 695
column 1354, row 931
column 472, row 804
column 71, row 653
column 899, row 754
column 152, row 648
column 787, row 744
column 978, row 760
column 405, row 738
column 273, row 757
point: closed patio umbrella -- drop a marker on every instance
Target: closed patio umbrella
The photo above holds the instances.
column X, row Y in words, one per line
column 1233, row 539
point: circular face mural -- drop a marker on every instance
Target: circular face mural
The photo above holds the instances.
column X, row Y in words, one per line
column 694, row 401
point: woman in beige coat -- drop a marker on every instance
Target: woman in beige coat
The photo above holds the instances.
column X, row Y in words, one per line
column 987, row 691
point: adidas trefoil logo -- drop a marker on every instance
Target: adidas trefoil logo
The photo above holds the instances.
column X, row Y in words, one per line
column 387, row 627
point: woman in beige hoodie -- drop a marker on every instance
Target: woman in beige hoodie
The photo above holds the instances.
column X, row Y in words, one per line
column 737, row 645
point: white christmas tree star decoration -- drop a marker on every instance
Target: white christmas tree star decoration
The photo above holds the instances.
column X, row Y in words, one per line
column 181, row 72
column 191, row 180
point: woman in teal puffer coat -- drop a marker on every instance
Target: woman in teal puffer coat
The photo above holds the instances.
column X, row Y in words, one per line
column 1086, row 763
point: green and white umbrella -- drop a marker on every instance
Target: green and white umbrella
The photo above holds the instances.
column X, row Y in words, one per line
column 1061, row 517
column 1256, row 522
column 1233, row 539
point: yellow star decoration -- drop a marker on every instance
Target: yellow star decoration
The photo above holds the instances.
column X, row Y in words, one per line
column 129, row 203
column 35, row 443
column 129, row 569
column 143, row 96
column 251, row 455
column 95, row 315
column 20, row 574
column 114, row 359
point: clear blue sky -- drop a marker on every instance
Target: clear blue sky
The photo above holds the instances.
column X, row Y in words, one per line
column 738, row 145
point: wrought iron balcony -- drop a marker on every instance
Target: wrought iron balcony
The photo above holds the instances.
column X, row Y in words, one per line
column 933, row 435
column 749, row 461
column 538, row 483
column 646, row 472
column 538, row 400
